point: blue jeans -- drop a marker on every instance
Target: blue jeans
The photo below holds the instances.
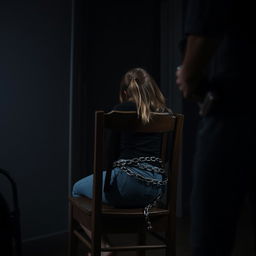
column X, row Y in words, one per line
column 125, row 191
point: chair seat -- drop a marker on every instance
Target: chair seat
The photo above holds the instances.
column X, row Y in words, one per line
column 112, row 218
column 85, row 205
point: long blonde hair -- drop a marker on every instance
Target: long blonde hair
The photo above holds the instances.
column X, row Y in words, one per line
column 138, row 86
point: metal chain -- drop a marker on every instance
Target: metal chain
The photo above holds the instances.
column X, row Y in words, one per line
column 126, row 164
column 146, row 212
column 142, row 159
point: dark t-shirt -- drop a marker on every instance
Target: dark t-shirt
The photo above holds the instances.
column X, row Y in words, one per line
column 127, row 145
column 232, row 22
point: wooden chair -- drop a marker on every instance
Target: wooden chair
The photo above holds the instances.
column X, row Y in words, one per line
column 103, row 219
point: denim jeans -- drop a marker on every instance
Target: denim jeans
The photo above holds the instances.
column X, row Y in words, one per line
column 125, row 191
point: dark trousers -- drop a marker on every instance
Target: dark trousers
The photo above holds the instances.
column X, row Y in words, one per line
column 224, row 167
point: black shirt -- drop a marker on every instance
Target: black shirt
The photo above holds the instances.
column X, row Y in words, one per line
column 232, row 22
column 127, row 145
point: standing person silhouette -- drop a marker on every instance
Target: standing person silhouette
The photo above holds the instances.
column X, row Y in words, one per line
column 220, row 49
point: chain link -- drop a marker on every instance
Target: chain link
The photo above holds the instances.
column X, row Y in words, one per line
column 146, row 212
column 126, row 164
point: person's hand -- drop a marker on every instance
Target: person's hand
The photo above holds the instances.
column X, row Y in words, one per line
column 187, row 89
column 180, row 81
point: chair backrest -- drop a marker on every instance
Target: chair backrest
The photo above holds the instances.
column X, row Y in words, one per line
column 164, row 123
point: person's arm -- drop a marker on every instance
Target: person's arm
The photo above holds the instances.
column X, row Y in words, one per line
column 206, row 24
column 199, row 50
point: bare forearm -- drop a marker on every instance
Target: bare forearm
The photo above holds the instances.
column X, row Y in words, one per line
column 198, row 53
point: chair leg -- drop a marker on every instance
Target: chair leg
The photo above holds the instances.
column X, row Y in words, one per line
column 73, row 240
column 171, row 237
column 141, row 241
column 96, row 243
column 73, row 244
column 170, row 249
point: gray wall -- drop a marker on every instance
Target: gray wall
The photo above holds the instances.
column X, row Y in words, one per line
column 34, row 94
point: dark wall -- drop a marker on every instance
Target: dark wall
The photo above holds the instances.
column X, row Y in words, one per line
column 190, row 110
column 34, row 91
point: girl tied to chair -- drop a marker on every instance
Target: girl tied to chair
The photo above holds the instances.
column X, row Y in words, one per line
column 138, row 176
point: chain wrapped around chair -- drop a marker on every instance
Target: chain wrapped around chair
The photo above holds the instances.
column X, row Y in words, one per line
column 126, row 164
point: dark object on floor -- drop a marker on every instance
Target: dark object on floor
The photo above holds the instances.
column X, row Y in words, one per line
column 10, row 235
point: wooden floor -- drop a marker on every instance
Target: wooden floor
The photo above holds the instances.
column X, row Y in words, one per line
column 57, row 245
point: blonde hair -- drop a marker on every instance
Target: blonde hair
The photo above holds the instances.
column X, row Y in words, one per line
column 138, row 86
